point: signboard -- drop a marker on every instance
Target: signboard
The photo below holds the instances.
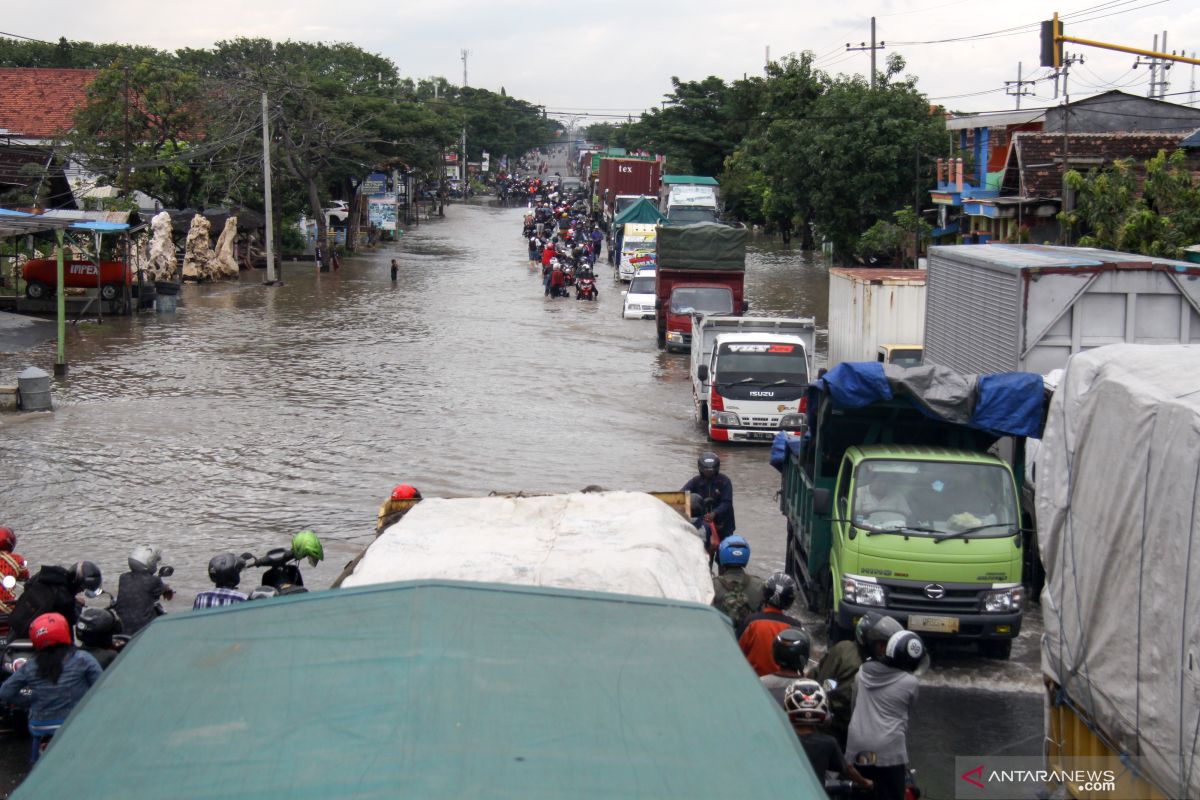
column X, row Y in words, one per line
column 451, row 158
column 381, row 211
column 484, row 161
column 376, row 183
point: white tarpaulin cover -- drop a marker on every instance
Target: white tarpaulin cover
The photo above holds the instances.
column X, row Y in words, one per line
column 621, row 542
column 1117, row 524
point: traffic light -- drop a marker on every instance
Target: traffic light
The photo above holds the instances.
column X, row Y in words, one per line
column 1052, row 46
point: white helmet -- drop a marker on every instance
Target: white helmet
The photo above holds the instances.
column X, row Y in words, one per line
column 144, row 558
column 805, row 699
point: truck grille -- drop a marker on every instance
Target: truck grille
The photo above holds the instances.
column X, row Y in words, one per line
column 913, row 598
column 760, row 422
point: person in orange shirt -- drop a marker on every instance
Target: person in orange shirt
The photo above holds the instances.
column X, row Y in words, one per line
column 10, row 564
column 756, row 635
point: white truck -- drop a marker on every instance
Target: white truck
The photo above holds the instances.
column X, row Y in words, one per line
column 872, row 308
column 750, row 375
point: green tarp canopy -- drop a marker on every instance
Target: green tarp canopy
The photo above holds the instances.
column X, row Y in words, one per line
column 689, row 180
column 643, row 211
column 430, row 689
column 703, row 245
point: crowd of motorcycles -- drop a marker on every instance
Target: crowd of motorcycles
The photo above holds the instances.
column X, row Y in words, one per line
column 103, row 623
column 562, row 238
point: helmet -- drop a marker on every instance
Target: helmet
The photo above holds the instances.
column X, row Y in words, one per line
column 733, row 552
column 8, row 539
column 96, row 626
column 144, row 558
column 905, row 650
column 50, row 629
column 86, row 576
column 791, row 649
column 779, row 590
column 804, row 699
column 305, row 544
column 708, row 462
column 882, row 631
column 225, row 569
column 864, row 624
column 404, row 491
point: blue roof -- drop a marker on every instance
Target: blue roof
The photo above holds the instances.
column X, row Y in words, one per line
column 1191, row 141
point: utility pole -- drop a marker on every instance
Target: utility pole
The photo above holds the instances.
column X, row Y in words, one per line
column 465, row 53
column 1066, row 148
column 1158, row 70
column 125, row 147
column 269, row 213
column 1020, row 85
column 872, row 47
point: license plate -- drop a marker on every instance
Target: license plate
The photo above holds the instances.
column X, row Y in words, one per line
column 760, row 437
column 929, row 624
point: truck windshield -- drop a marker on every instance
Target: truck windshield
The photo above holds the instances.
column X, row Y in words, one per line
column 642, row 285
column 704, row 299
column 765, row 361
column 934, row 498
column 689, row 214
column 907, row 357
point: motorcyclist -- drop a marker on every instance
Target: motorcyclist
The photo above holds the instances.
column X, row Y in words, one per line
column 807, row 707
column 286, row 579
column 225, row 571
column 139, row 590
column 716, row 488
column 95, row 629
column 790, row 650
column 840, row 664
column 53, row 589
column 11, row 564
column 558, row 281
column 736, row 593
column 757, row 634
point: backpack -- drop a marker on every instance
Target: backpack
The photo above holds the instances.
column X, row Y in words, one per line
column 734, row 603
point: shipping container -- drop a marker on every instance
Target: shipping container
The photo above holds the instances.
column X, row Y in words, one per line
column 872, row 307
column 629, row 176
column 1002, row 307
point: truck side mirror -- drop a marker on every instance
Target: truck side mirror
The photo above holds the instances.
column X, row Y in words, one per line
column 745, row 306
column 821, row 503
column 658, row 304
column 702, row 372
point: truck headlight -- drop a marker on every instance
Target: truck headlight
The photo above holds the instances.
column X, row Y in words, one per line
column 1004, row 601
column 727, row 418
column 674, row 336
column 862, row 591
column 794, row 421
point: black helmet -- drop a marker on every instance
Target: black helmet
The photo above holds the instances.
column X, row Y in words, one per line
column 225, row 569
column 791, row 649
column 708, row 461
column 864, row 624
column 96, row 626
column 882, row 632
column 86, row 576
column 905, row 651
column 779, row 590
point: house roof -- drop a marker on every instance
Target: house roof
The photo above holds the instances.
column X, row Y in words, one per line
column 994, row 120
column 1035, row 165
column 41, row 103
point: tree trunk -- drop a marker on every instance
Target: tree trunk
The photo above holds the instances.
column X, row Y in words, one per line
column 806, row 234
column 314, row 202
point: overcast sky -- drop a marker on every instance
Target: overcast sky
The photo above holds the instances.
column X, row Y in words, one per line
column 616, row 57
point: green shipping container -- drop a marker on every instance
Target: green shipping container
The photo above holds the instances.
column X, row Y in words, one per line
column 704, row 245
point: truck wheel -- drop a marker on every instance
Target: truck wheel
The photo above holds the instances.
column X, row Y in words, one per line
column 36, row 290
column 110, row 291
column 662, row 339
column 1000, row 649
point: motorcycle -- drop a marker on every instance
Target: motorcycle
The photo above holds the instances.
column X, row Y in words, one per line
column 585, row 289
column 283, row 573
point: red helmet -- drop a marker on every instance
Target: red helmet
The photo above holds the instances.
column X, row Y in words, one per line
column 8, row 539
column 405, row 492
column 49, row 629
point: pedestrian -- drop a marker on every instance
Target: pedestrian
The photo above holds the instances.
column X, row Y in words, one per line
column 790, row 650
column 558, row 282
column 395, row 270
column 757, row 634
column 715, row 488
column 884, row 696
column 736, row 594
column 840, row 664
column 807, row 707
column 12, row 565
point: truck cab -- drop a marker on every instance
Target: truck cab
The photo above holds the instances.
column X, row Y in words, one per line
column 902, row 355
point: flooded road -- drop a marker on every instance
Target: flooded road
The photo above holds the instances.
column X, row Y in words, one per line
column 254, row 412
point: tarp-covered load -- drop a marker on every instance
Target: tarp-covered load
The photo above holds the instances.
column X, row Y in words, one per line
column 622, row 542
column 1118, row 523
column 428, row 690
column 643, row 211
column 704, row 245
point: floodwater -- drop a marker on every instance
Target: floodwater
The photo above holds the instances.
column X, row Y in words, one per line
column 254, row 412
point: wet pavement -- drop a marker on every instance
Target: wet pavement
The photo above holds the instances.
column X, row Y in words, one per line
column 254, row 412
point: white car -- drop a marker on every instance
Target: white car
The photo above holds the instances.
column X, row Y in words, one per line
column 337, row 213
column 640, row 296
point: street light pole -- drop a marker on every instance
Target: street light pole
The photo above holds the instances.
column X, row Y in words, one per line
column 270, row 222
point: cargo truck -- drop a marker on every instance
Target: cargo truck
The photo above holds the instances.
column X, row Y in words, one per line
column 869, row 308
column 750, row 375
column 626, row 176
column 1117, row 495
column 893, row 503
column 701, row 270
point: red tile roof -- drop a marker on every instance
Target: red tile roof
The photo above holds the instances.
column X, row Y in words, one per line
column 41, row 103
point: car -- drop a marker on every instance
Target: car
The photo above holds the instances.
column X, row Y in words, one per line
column 337, row 213
column 640, row 296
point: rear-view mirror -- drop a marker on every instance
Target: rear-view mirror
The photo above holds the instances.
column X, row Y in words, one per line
column 702, row 372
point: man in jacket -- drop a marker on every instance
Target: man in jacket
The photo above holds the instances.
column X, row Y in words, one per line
column 717, row 490
column 52, row 590
column 756, row 636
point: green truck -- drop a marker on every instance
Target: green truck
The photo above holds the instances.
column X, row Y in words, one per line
column 895, row 504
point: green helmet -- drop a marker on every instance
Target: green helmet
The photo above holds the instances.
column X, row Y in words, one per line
column 305, row 544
